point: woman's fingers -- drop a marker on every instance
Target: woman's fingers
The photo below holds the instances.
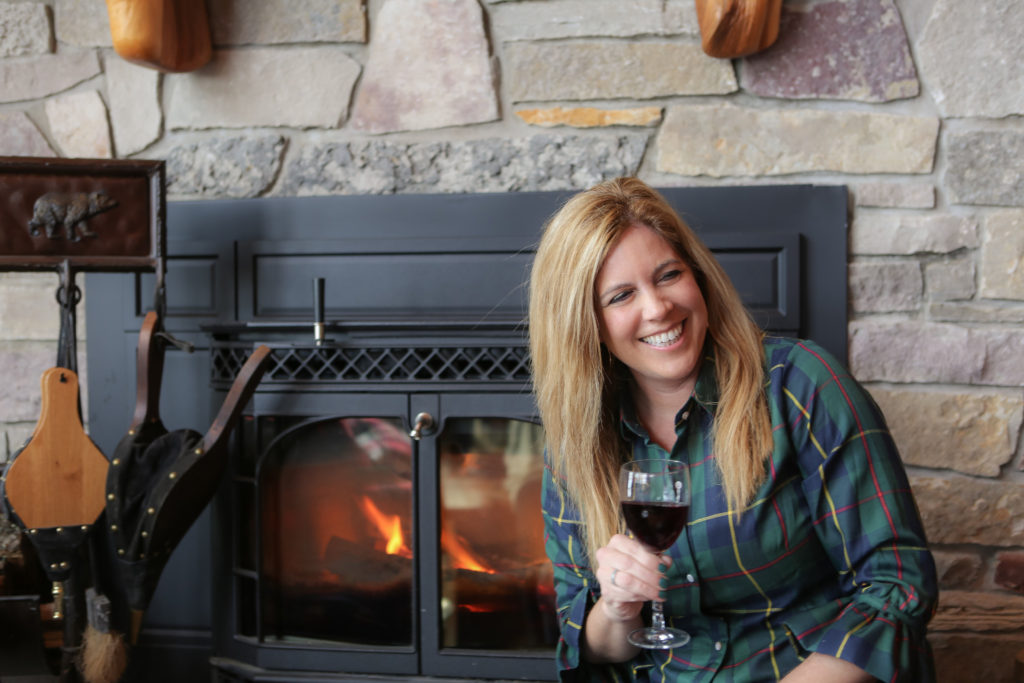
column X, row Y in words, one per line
column 628, row 572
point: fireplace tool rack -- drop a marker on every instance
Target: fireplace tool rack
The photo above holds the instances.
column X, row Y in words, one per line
column 70, row 216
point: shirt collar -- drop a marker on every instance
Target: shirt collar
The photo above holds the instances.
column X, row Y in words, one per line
column 705, row 394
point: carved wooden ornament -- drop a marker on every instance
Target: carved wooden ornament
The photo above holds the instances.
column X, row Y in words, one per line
column 736, row 28
column 167, row 35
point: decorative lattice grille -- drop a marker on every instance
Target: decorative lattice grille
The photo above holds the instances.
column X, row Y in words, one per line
column 509, row 363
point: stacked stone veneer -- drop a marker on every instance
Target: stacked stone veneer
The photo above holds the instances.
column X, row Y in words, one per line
column 916, row 106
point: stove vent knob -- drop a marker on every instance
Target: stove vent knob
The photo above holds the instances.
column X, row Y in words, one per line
column 424, row 425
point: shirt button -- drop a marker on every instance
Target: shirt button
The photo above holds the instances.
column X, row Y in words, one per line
column 718, row 646
column 685, row 415
column 689, row 577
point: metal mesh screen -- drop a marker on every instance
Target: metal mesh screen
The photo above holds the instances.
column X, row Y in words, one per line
column 507, row 363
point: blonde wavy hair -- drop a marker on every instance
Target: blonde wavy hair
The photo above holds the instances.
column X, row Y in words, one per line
column 576, row 381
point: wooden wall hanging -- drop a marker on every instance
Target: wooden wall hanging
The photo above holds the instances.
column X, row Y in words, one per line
column 736, row 28
column 167, row 35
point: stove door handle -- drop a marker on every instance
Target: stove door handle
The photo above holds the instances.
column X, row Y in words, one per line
column 423, row 426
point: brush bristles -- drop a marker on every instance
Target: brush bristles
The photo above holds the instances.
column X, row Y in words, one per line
column 104, row 656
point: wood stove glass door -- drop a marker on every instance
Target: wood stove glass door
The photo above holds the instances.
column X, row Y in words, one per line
column 337, row 523
column 493, row 583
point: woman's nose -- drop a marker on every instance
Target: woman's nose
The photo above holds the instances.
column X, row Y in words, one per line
column 655, row 305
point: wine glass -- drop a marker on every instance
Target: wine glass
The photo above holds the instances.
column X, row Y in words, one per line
column 655, row 496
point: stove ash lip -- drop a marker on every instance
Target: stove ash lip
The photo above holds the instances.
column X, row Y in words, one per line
column 426, row 324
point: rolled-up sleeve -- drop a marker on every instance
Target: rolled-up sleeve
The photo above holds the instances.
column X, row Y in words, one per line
column 867, row 520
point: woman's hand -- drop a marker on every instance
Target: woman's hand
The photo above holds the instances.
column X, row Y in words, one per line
column 629, row 576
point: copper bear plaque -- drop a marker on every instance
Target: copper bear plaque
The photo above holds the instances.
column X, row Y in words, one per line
column 91, row 214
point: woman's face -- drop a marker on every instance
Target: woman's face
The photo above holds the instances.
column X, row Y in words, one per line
column 651, row 311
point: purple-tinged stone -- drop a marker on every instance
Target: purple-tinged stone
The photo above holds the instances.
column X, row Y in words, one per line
column 847, row 50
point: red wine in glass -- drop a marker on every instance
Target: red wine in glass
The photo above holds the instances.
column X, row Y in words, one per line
column 655, row 497
column 656, row 525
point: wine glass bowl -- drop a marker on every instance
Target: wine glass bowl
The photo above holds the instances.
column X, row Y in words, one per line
column 655, row 498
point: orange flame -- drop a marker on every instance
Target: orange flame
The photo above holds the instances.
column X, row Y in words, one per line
column 462, row 557
column 390, row 528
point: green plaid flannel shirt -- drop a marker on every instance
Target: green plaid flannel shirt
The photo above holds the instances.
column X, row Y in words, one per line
column 829, row 557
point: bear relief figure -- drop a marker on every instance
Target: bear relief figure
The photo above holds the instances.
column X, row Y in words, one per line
column 69, row 210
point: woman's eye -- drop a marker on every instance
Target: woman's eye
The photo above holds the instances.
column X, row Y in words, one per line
column 618, row 298
column 671, row 275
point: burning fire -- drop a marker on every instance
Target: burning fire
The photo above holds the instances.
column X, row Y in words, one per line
column 390, row 529
column 462, row 557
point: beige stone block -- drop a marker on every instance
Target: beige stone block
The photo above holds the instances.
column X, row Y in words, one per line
column 28, row 307
column 21, row 366
column 988, row 83
column 895, row 195
column 950, row 280
column 32, row 78
column 960, row 509
column 24, row 29
column 135, row 114
column 886, row 287
column 1003, row 350
column 879, row 233
column 727, row 140
column 913, row 351
column 82, row 23
column 79, row 125
column 979, row 612
column 19, row 136
column 593, row 18
column 270, row 22
column 591, row 70
column 973, row 433
column 244, row 87
column 590, row 117
column 1002, row 256
column 429, row 67
column 975, row 312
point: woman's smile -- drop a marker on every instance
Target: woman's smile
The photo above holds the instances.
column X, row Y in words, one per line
column 665, row 338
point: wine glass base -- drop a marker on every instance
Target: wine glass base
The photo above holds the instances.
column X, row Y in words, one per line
column 651, row 638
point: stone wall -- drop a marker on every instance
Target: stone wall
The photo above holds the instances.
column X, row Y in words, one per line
column 915, row 105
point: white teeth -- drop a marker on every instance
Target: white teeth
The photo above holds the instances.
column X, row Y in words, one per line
column 665, row 338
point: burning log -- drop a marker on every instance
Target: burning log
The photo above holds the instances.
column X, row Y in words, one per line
column 367, row 569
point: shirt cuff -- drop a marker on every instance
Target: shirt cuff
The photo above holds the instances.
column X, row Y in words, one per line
column 889, row 649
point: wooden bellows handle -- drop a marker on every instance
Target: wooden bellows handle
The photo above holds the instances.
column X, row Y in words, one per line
column 735, row 28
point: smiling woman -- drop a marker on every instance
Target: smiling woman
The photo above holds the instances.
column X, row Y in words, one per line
column 803, row 558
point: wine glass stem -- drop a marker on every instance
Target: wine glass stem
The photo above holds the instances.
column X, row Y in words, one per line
column 657, row 616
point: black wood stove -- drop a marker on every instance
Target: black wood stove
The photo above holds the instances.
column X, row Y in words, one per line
column 381, row 511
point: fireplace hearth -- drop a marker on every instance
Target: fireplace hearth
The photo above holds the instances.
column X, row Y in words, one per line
column 381, row 510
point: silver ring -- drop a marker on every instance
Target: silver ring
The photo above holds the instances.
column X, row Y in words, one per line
column 612, row 578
